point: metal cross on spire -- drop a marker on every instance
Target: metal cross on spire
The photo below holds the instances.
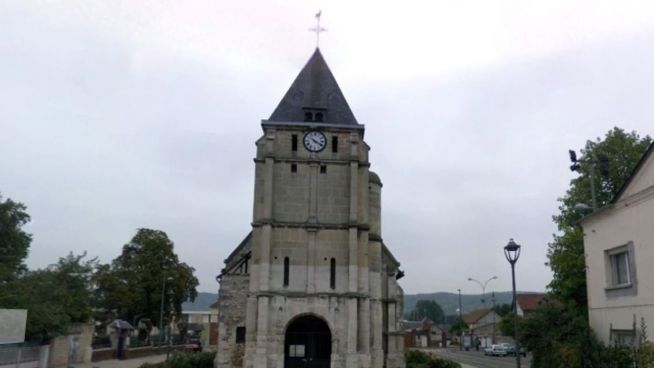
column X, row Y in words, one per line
column 318, row 29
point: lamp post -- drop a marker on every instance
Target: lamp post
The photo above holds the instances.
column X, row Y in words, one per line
column 494, row 313
column 483, row 298
column 460, row 320
column 161, row 308
column 512, row 253
column 161, row 311
column 483, row 287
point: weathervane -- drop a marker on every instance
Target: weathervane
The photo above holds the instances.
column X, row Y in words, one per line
column 318, row 29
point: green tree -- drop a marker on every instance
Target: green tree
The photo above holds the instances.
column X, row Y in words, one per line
column 566, row 253
column 131, row 287
column 507, row 324
column 558, row 334
column 502, row 309
column 54, row 297
column 555, row 335
column 14, row 242
column 459, row 326
column 427, row 309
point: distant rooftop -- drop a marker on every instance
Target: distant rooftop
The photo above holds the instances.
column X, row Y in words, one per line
column 530, row 302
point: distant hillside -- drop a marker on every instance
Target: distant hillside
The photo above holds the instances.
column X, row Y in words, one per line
column 448, row 301
column 202, row 302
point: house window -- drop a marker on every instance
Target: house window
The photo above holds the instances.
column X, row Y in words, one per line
column 296, row 351
column 240, row 335
column 323, row 169
column 334, row 144
column 620, row 268
column 620, row 271
column 623, row 337
column 294, row 142
column 308, row 116
column 286, row 266
column 293, row 168
column 332, row 273
column 319, row 116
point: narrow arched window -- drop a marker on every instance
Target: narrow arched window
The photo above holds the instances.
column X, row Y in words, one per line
column 332, row 273
column 240, row 335
column 286, row 264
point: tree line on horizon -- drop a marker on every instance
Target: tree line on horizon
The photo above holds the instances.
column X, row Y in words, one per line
column 145, row 283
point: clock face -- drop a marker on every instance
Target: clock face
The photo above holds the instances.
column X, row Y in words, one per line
column 315, row 141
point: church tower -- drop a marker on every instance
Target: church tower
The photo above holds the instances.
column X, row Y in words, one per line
column 313, row 284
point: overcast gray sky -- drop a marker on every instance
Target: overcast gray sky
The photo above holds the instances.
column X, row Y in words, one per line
column 116, row 115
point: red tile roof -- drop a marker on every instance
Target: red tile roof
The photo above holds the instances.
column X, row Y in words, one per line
column 530, row 302
column 475, row 315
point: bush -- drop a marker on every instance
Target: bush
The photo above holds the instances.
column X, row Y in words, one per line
column 186, row 360
column 418, row 359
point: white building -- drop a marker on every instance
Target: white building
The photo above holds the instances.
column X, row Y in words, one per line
column 619, row 247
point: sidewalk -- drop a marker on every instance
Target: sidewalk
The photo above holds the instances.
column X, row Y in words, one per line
column 128, row 363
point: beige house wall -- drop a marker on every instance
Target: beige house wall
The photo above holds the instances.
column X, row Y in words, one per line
column 629, row 224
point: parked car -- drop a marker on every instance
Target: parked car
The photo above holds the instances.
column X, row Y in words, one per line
column 510, row 349
column 495, row 350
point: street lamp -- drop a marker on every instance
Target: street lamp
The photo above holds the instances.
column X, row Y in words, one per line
column 483, row 287
column 483, row 301
column 161, row 309
column 512, row 253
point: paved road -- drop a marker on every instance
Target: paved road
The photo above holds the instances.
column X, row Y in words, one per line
column 479, row 360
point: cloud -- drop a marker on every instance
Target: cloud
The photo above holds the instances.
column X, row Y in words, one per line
column 120, row 115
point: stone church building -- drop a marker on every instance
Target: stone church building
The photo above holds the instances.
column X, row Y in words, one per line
column 313, row 284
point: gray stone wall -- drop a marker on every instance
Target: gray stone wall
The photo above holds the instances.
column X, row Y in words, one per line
column 291, row 192
column 334, row 194
column 231, row 314
column 310, row 217
column 374, row 205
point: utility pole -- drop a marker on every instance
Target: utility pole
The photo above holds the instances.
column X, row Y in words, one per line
column 592, row 161
column 460, row 320
column 493, row 301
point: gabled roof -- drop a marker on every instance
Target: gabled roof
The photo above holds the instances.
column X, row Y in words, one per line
column 245, row 242
column 475, row 315
column 640, row 164
column 411, row 325
column 238, row 256
column 530, row 302
column 315, row 89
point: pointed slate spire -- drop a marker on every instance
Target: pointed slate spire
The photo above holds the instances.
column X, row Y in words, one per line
column 314, row 96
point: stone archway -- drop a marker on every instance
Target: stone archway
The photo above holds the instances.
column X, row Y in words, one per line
column 307, row 343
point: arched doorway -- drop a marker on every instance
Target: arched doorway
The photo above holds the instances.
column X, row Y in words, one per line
column 307, row 343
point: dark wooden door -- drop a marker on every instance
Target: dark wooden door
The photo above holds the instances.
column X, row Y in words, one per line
column 307, row 344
